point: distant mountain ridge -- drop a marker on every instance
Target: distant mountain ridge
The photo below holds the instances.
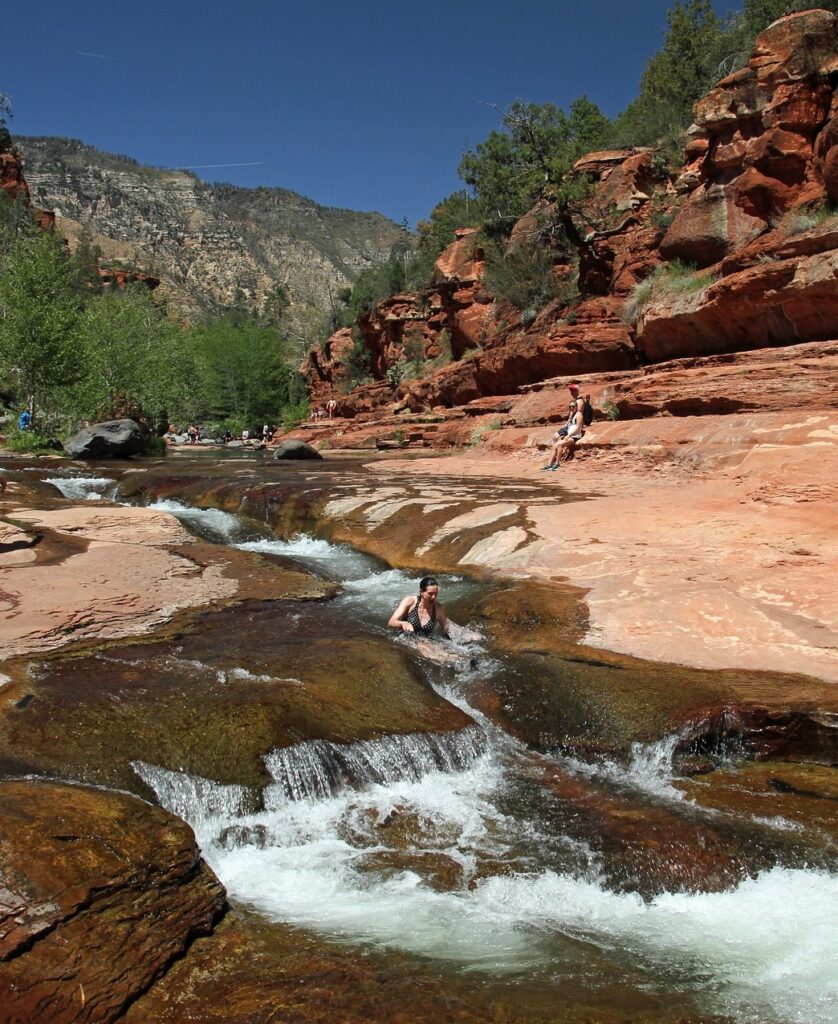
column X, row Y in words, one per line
column 211, row 245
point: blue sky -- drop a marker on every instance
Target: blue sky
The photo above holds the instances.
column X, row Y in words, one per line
column 366, row 105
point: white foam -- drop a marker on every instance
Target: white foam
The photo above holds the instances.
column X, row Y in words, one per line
column 221, row 525
column 84, row 488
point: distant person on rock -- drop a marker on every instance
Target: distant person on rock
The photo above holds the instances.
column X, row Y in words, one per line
column 266, row 433
column 566, row 439
column 331, row 405
column 419, row 615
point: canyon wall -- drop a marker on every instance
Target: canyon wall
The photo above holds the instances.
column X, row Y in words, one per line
column 735, row 250
column 208, row 244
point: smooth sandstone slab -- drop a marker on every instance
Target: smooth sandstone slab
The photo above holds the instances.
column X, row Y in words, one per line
column 100, row 893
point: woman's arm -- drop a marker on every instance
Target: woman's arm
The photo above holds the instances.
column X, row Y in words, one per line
column 397, row 619
column 442, row 619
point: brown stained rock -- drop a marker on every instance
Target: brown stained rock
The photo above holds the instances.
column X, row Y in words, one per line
column 249, row 972
column 826, row 152
column 12, row 181
column 437, row 870
column 173, row 703
column 650, row 847
column 805, row 795
column 101, row 893
column 709, row 226
column 795, row 46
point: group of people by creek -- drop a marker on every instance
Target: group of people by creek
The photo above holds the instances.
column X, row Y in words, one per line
column 319, row 413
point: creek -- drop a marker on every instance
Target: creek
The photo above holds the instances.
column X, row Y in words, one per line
column 467, row 849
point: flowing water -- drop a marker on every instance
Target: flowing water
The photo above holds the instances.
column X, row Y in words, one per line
column 84, row 488
column 454, row 847
column 451, row 849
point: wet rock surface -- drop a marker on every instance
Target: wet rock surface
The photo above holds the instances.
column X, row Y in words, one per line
column 101, row 893
column 216, row 699
column 248, row 971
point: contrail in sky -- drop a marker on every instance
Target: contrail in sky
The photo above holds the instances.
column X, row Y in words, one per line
column 101, row 56
column 204, row 167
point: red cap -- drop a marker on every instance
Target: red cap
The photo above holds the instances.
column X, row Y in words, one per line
column 574, row 384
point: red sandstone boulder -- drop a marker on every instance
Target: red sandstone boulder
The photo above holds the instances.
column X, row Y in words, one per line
column 100, row 893
column 709, row 226
column 757, row 126
column 462, row 261
column 12, row 181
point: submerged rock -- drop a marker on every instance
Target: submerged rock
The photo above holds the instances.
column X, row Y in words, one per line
column 112, row 439
column 101, row 893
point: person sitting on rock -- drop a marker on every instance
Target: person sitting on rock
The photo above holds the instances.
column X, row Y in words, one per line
column 565, row 440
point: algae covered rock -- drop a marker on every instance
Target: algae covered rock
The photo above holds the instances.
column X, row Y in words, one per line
column 101, row 893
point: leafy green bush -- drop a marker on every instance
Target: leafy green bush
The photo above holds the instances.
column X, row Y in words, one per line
column 525, row 277
column 395, row 373
column 293, row 415
column 26, row 441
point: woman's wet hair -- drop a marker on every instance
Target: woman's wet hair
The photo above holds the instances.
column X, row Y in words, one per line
column 425, row 582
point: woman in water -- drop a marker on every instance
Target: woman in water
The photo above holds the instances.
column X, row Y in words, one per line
column 420, row 614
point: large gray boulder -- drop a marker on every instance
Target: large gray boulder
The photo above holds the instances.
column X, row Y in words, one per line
column 110, row 440
column 296, row 450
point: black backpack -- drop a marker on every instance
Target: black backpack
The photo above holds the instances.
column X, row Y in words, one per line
column 587, row 411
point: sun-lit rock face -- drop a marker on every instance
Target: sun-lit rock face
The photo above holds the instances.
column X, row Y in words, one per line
column 101, row 893
column 755, row 149
column 748, row 208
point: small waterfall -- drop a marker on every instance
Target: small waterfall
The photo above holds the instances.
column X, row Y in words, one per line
column 319, row 769
column 84, row 488
column 211, row 523
column 192, row 798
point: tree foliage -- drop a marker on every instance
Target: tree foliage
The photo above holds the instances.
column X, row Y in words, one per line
column 39, row 317
column 78, row 352
column 533, row 152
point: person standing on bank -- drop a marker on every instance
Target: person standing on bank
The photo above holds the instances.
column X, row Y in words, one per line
column 420, row 614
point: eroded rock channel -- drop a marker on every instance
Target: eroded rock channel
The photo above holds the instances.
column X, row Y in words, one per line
column 522, row 829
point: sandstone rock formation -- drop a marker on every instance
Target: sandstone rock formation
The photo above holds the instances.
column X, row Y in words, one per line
column 101, row 892
column 735, row 252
